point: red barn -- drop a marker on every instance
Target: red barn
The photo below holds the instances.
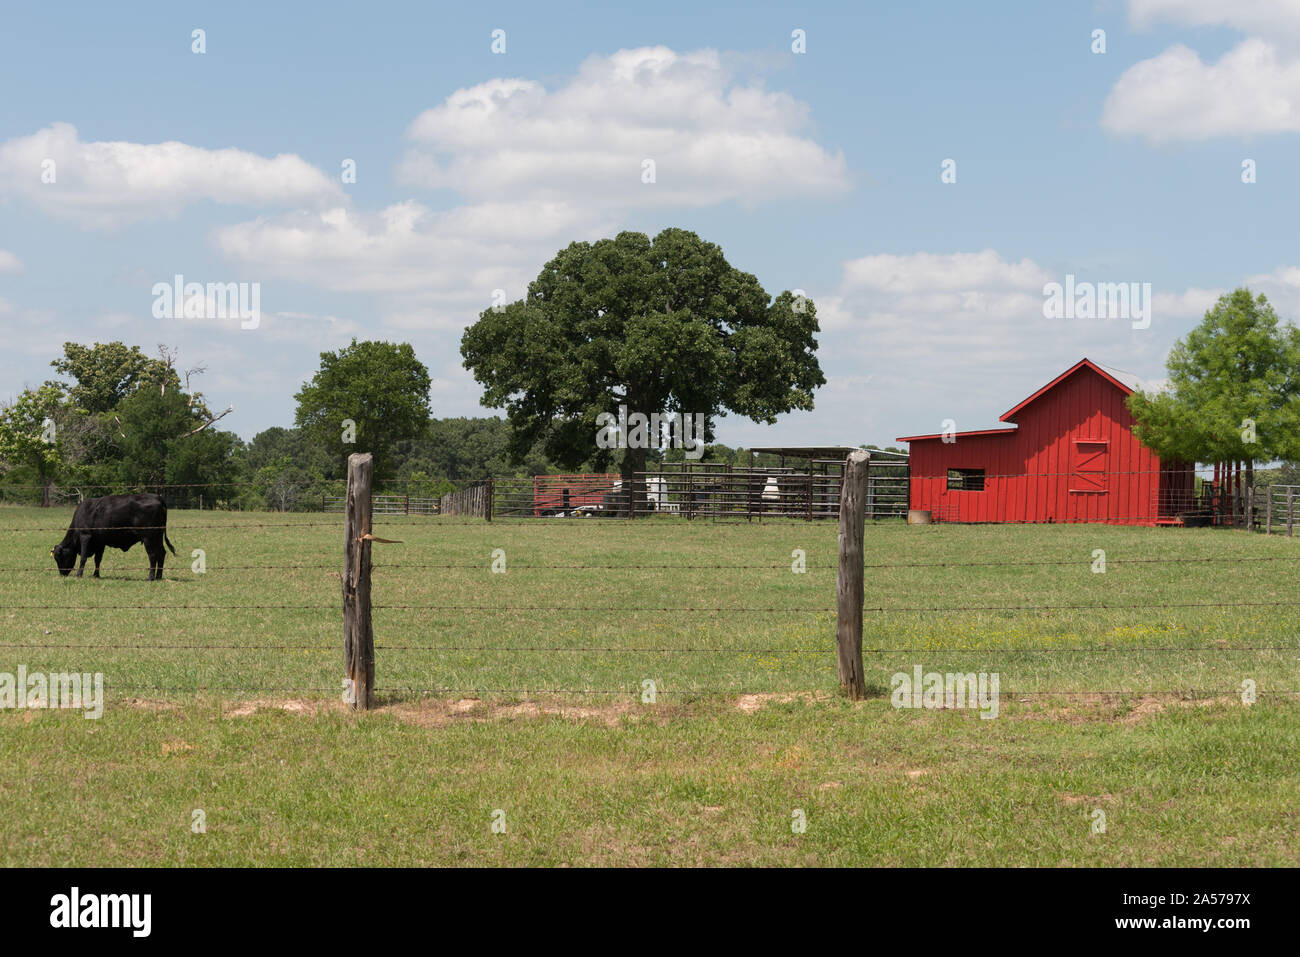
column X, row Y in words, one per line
column 1069, row 455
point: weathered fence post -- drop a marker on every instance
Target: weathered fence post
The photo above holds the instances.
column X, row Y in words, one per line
column 487, row 503
column 358, row 633
column 1268, row 510
column 848, row 579
column 1290, row 509
column 1250, row 508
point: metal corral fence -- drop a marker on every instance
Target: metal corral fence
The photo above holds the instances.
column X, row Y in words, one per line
column 702, row 490
column 1281, row 503
column 386, row 504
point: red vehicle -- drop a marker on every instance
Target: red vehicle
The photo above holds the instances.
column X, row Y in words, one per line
column 553, row 494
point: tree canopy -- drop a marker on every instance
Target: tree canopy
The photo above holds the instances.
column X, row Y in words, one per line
column 106, row 373
column 661, row 326
column 1234, row 388
column 380, row 387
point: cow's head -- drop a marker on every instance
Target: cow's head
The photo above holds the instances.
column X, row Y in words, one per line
column 65, row 557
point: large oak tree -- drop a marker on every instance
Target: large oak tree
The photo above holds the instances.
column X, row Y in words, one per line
column 661, row 326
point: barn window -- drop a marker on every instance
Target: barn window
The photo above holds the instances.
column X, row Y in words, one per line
column 966, row 480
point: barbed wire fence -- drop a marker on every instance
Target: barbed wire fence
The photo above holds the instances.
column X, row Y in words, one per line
column 355, row 606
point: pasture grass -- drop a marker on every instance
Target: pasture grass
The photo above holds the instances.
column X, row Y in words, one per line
column 521, row 692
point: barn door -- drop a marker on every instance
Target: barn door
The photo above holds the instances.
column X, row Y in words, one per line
column 1088, row 477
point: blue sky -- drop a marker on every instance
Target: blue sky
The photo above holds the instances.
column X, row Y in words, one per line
column 818, row 171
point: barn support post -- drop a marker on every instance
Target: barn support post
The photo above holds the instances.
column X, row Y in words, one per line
column 848, row 579
column 358, row 632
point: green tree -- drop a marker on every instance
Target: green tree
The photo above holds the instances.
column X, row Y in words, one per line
column 661, row 326
column 381, row 387
column 29, row 436
column 1234, row 389
column 161, row 441
column 106, row 373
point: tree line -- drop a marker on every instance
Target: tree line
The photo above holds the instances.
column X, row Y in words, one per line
column 120, row 420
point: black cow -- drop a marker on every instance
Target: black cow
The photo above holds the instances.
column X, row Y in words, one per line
column 115, row 521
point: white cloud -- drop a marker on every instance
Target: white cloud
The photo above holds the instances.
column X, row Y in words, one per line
column 955, row 335
column 1255, row 17
column 408, row 248
column 712, row 139
column 541, row 168
column 1282, row 287
column 1191, row 303
column 9, row 264
column 1175, row 96
column 105, row 184
column 919, row 273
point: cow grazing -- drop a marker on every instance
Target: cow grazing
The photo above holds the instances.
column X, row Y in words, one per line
column 115, row 521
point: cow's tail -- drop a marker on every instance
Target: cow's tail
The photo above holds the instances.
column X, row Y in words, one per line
column 168, row 542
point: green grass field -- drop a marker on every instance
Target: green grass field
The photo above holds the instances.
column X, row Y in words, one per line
column 521, row 692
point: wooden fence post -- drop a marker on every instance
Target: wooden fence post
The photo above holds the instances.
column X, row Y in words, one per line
column 1268, row 510
column 1290, row 510
column 487, row 504
column 358, row 633
column 848, row 579
column 1250, row 508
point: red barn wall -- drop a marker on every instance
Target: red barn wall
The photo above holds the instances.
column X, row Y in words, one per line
column 1072, row 458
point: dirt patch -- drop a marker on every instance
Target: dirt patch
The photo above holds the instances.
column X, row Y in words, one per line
column 439, row 712
column 299, row 706
column 1068, row 798
column 1152, row 705
column 146, row 704
column 176, row 747
column 1120, row 709
column 750, row 703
